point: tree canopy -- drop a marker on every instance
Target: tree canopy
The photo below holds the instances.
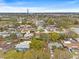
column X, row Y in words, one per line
column 55, row 36
column 37, row 44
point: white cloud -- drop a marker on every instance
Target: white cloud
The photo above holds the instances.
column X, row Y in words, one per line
column 34, row 9
column 5, row 8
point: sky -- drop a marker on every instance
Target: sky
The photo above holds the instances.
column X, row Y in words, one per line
column 39, row 5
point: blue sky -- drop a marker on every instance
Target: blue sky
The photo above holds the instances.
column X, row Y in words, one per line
column 39, row 5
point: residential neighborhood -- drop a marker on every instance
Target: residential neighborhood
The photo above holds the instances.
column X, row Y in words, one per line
column 39, row 36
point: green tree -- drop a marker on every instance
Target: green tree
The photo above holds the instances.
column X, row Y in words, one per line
column 1, row 54
column 45, row 36
column 61, row 54
column 64, row 22
column 8, row 39
column 72, row 34
column 55, row 36
column 13, row 36
column 37, row 44
column 50, row 21
column 63, row 36
column 13, row 55
column 29, row 54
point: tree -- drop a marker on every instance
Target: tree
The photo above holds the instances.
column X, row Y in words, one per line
column 63, row 36
column 8, row 39
column 50, row 21
column 61, row 54
column 71, row 34
column 41, row 54
column 11, row 55
column 55, row 36
column 29, row 54
column 74, row 35
column 36, row 44
column 43, row 37
column 13, row 36
column 1, row 54
column 63, row 22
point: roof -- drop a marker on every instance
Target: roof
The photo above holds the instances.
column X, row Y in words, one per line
column 77, row 39
column 71, row 45
column 23, row 45
column 75, row 30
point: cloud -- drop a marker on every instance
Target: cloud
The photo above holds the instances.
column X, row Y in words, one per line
column 4, row 7
column 33, row 9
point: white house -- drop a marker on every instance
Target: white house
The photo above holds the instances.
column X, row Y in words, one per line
column 28, row 35
column 22, row 46
column 4, row 34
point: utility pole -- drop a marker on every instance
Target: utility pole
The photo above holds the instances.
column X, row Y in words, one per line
column 27, row 14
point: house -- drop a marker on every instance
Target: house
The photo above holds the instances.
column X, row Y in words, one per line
column 19, row 35
column 40, row 23
column 76, row 30
column 5, row 46
column 28, row 35
column 51, row 28
column 77, row 39
column 55, row 45
column 71, row 43
column 25, row 28
column 22, row 46
column 4, row 34
column 40, row 29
